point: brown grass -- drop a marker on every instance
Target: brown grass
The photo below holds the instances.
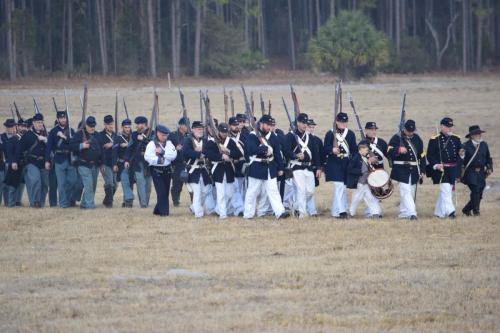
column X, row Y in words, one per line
column 115, row 270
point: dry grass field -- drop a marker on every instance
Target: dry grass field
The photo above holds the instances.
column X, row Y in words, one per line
column 126, row 270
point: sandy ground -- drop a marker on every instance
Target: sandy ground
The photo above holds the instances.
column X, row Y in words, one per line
column 125, row 270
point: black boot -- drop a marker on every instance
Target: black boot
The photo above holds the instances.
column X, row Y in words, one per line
column 108, row 197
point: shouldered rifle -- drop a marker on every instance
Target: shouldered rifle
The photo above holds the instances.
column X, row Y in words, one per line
column 252, row 104
column 269, row 108
column 17, row 112
column 67, row 114
column 226, row 116
column 262, row 105
column 402, row 119
column 211, row 127
column 293, row 126
column 360, row 127
column 12, row 112
column 84, row 111
column 336, row 107
column 125, row 107
column 232, row 102
column 55, row 104
column 37, row 111
column 116, row 112
column 251, row 118
column 184, row 110
column 296, row 108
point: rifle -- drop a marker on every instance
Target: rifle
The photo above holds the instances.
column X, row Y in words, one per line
column 55, row 104
column 116, row 112
column 210, row 121
column 232, row 103
column 249, row 113
column 67, row 113
column 269, row 108
column 262, row 105
column 335, row 113
column 296, row 108
column 226, row 118
column 184, row 111
column 125, row 107
column 402, row 120
column 84, row 111
column 360, row 127
column 17, row 112
column 12, row 112
column 252, row 104
column 292, row 124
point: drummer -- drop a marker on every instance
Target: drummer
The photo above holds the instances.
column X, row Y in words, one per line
column 357, row 178
column 377, row 145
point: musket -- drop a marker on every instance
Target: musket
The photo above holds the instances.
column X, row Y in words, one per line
column 116, row 112
column 340, row 96
column 360, row 127
column 226, row 116
column 232, row 103
column 83, row 103
column 290, row 120
column 210, row 122
column 336, row 107
column 17, row 112
column 184, row 110
column 12, row 112
column 67, row 113
column 252, row 104
column 296, row 108
column 402, row 120
column 269, row 108
column 248, row 111
column 125, row 107
column 262, row 105
column 55, row 104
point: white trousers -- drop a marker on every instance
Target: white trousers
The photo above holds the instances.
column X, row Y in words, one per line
column 224, row 195
column 407, row 206
column 311, row 206
column 339, row 201
column 363, row 192
column 289, row 194
column 444, row 204
column 304, row 190
column 255, row 188
column 203, row 200
column 263, row 204
column 238, row 197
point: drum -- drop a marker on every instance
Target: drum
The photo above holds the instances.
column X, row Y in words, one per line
column 380, row 184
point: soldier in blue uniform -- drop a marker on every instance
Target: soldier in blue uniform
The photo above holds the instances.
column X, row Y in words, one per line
column 58, row 147
column 14, row 183
column 134, row 160
column 106, row 139
column 179, row 164
column 304, row 159
column 378, row 146
column 10, row 130
column 86, row 146
column 406, row 152
column 198, row 177
column 444, row 166
column 222, row 154
column 160, row 153
column 318, row 145
column 32, row 146
column 337, row 161
column 477, row 166
column 265, row 165
column 238, row 197
column 120, row 146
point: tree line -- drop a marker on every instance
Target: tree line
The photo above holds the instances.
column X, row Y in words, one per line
column 224, row 37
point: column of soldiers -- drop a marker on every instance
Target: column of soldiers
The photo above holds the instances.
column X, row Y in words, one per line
column 239, row 171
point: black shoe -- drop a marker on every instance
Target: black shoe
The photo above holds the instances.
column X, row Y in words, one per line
column 467, row 212
column 37, row 205
column 19, row 204
column 413, row 218
column 285, row 215
column 176, row 203
column 343, row 216
column 452, row 216
column 72, row 203
column 476, row 213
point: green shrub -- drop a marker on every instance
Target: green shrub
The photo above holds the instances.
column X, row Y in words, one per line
column 349, row 45
column 413, row 58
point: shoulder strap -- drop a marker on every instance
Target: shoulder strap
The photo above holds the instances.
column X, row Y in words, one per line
column 473, row 156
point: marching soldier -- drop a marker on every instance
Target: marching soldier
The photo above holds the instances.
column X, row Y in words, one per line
column 32, row 145
column 265, row 165
column 4, row 138
column 318, row 145
column 377, row 146
column 85, row 144
column 58, row 147
column 337, row 161
column 477, row 166
column 222, row 156
column 14, row 183
column 160, row 153
column 134, row 160
column 406, row 151
column 238, row 197
column 179, row 164
column 304, row 160
column 198, row 177
column 106, row 139
column 120, row 146
column 444, row 166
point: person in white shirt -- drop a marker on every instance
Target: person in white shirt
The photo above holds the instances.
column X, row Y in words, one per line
column 159, row 155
